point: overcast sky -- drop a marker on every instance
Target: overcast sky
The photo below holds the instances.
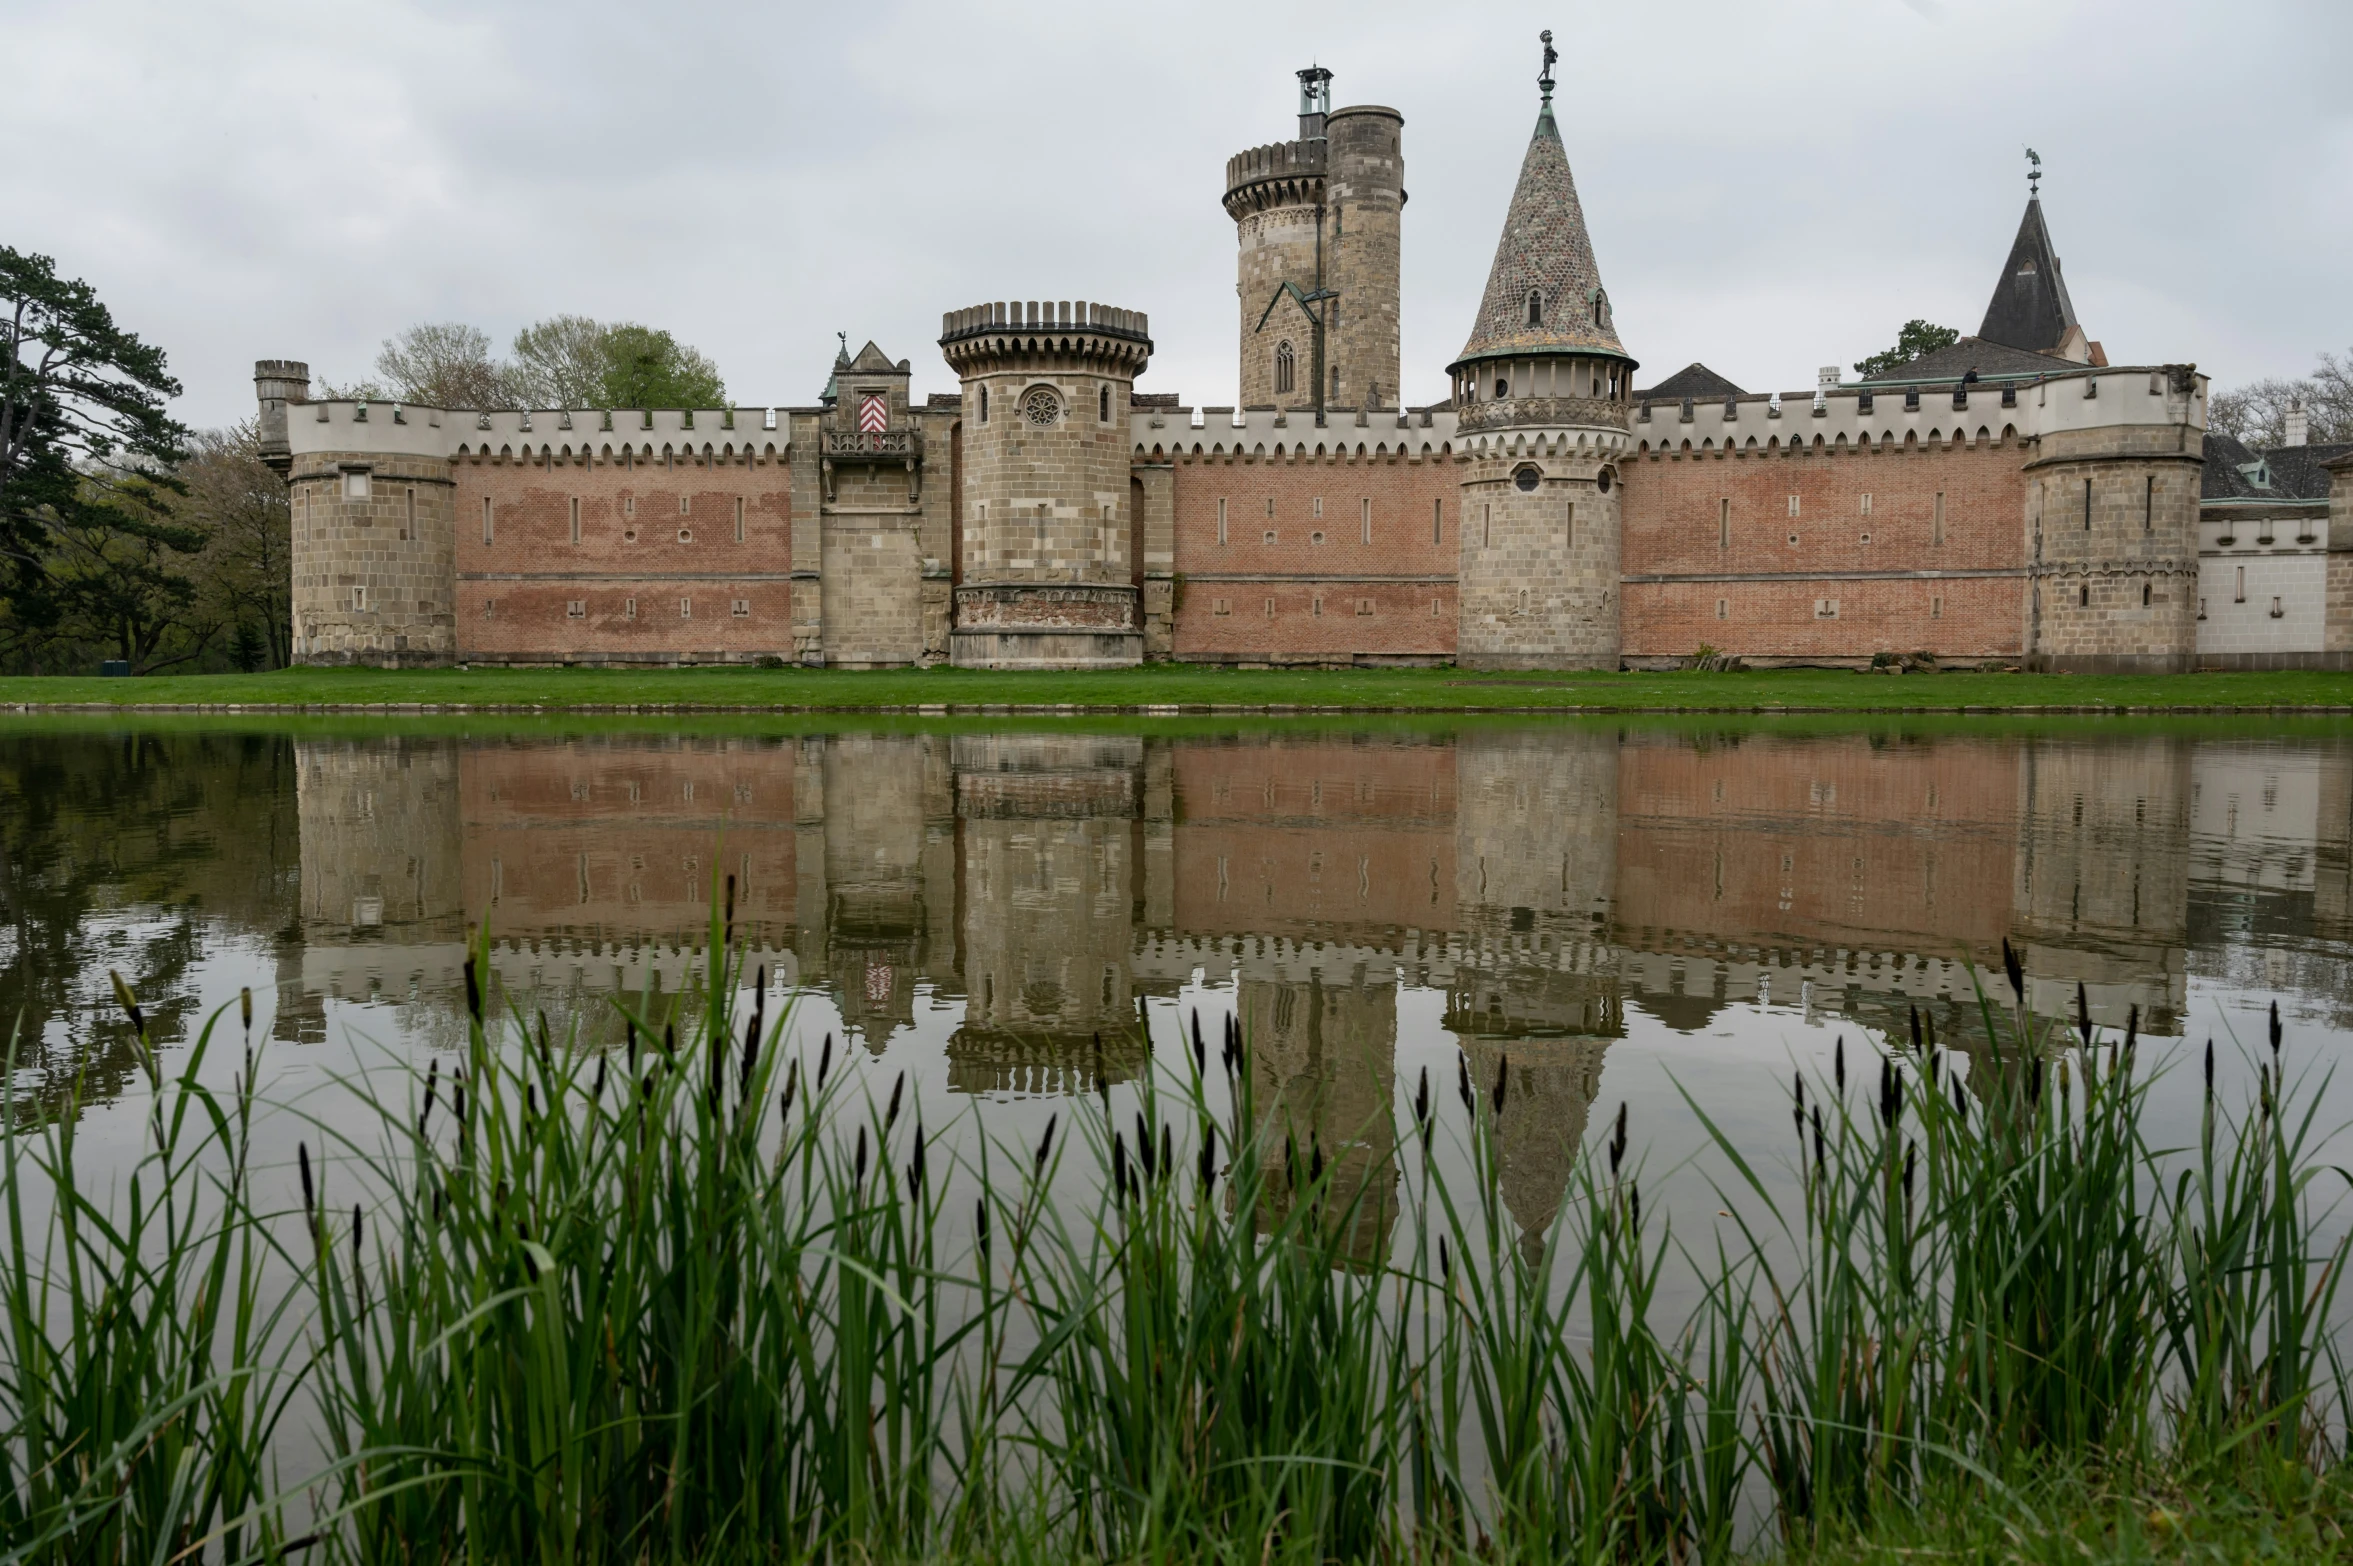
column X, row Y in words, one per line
column 1771, row 187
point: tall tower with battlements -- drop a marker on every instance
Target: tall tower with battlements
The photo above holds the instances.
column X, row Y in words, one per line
column 1049, row 576
column 1541, row 392
column 1317, row 220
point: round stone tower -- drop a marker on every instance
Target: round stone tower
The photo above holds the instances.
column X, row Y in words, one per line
column 1047, row 568
column 1541, row 394
column 1317, row 221
column 374, row 535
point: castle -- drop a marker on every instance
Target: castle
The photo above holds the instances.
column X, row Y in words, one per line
column 2014, row 499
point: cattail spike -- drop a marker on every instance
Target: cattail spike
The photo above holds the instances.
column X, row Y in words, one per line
column 824, row 1062
column 245, row 1006
column 1838, row 1065
column 980, row 1225
column 890, row 1116
column 2083, row 1015
column 1462, row 1082
column 302, row 1162
column 1046, row 1142
column 2014, row 969
column 858, row 1175
column 1502, row 1080
column 1167, row 1155
column 2275, row 1030
column 473, row 991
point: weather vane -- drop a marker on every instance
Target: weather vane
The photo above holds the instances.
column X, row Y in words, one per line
column 2034, row 172
column 1551, row 55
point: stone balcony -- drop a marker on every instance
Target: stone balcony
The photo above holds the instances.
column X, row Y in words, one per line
column 873, row 446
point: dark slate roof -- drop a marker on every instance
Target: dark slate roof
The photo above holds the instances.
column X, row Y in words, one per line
column 2285, row 474
column 1992, row 361
column 1544, row 248
column 2030, row 308
column 1694, row 380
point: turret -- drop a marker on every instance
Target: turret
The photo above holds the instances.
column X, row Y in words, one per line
column 1049, row 572
column 277, row 382
column 1541, row 391
column 1317, row 224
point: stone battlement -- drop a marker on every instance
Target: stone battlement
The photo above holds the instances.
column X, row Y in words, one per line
column 1043, row 316
column 1850, row 416
column 622, row 435
column 1276, row 174
column 1251, row 433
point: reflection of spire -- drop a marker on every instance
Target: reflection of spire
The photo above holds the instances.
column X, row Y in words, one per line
column 1541, row 1130
column 1323, row 1067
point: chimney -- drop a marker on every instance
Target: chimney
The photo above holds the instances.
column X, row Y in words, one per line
column 2299, row 425
column 1825, row 382
column 276, row 382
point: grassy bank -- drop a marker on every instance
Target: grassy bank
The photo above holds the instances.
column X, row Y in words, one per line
column 1190, row 687
column 702, row 1298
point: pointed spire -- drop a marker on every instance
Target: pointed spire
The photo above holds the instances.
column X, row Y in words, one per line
column 1544, row 291
column 2030, row 308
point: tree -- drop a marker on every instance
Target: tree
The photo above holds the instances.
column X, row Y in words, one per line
column 84, row 438
column 1916, row 338
column 243, row 573
column 651, row 369
column 444, row 364
column 118, row 571
column 2257, row 413
column 562, row 362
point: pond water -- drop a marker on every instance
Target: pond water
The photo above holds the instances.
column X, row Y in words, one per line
column 1666, row 915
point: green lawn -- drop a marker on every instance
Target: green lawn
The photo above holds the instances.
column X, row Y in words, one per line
column 1187, row 686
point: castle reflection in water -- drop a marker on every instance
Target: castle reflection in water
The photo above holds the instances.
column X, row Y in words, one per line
column 1544, row 879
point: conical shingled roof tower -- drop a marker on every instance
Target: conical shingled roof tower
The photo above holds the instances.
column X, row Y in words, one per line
column 2030, row 308
column 1541, row 424
column 1546, row 253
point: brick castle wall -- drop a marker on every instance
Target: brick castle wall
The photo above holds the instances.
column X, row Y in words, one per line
column 1830, row 553
column 647, row 551
column 1376, row 597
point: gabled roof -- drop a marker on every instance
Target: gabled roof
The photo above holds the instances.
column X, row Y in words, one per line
column 2285, row 474
column 2030, row 308
column 872, row 360
column 1546, row 251
column 1694, row 380
column 1991, row 360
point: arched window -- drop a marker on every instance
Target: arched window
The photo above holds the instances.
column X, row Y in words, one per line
column 1601, row 303
column 1535, row 308
column 1286, row 367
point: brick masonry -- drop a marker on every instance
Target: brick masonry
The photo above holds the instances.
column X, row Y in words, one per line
column 1802, row 554
column 1294, row 531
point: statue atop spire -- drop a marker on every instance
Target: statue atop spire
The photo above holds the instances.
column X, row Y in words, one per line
column 1551, row 58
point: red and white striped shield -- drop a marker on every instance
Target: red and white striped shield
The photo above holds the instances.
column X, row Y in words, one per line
column 874, row 414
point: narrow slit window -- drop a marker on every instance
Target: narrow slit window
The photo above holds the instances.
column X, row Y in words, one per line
column 1723, row 608
column 1724, row 526
column 1936, row 520
column 739, row 519
column 1486, row 524
column 408, row 528
column 575, row 519
column 2149, row 504
column 2239, row 585
column 489, row 531
column 685, row 608
column 1104, row 394
column 1437, row 521
column 1221, row 519
column 628, row 608
column 2144, row 595
column 2087, row 505
column 1365, row 518
column 1935, row 608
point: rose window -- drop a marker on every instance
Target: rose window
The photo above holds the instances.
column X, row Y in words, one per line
column 1041, row 407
